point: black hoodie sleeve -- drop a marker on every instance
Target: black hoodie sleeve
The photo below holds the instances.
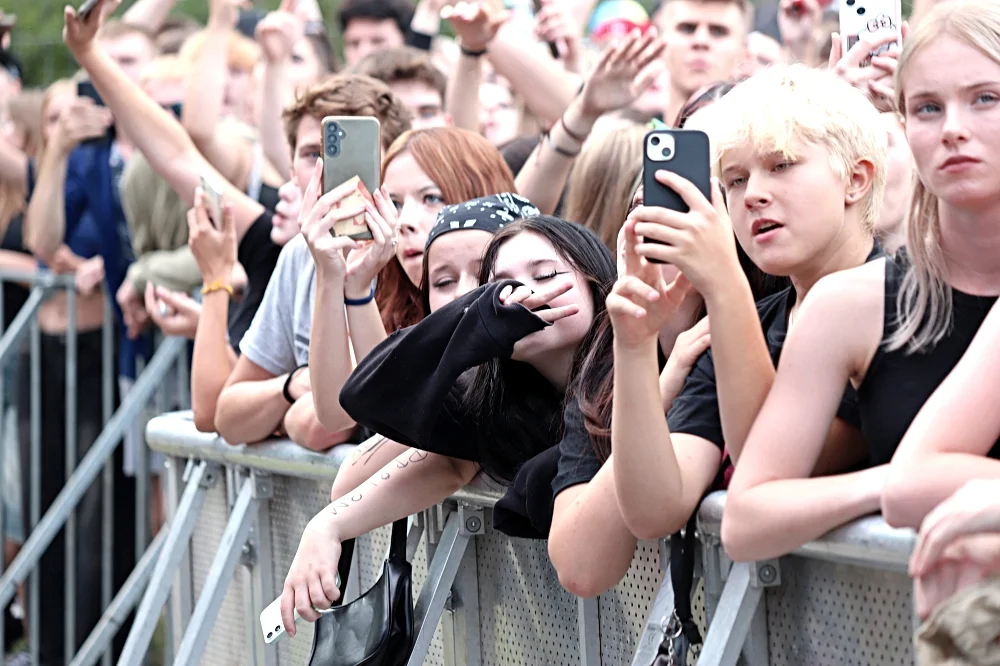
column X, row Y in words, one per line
column 405, row 389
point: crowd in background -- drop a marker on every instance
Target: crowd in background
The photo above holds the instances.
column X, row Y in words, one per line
column 519, row 312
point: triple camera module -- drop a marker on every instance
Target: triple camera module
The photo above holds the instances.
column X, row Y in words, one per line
column 334, row 133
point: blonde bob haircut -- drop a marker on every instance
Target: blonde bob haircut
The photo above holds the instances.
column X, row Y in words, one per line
column 785, row 104
column 925, row 305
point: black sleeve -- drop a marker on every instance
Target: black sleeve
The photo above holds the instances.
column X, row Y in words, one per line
column 696, row 410
column 578, row 461
column 259, row 255
column 419, row 40
column 405, row 388
column 848, row 410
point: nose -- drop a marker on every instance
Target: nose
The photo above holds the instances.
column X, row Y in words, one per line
column 954, row 130
column 466, row 283
column 700, row 39
column 409, row 220
column 756, row 194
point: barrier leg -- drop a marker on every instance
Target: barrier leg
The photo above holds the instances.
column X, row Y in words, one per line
column 659, row 616
column 588, row 612
column 734, row 616
column 221, row 573
column 203, row 476
column 461, row 628
column 100, row 638
column 458, row 529
column 259, row 587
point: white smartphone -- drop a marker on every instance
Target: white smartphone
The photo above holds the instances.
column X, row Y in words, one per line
column 271, row 625
column 859, row 18
column 214, row 194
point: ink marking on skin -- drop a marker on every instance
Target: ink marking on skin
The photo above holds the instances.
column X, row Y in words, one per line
column 356, row 497
column 385, row 476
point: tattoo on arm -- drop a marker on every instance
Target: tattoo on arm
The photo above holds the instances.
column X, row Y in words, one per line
column 415, row 456
column 368, row 451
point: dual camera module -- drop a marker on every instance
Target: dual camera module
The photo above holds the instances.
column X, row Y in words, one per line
column 334, row 133
column 660, row 147
column 851, row 3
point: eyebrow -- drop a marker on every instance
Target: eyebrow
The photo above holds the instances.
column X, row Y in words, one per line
column 971, row 86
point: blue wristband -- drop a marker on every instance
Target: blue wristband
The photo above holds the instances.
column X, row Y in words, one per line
column 361, row 301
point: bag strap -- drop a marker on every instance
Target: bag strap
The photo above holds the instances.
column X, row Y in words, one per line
column 682, row 549
column 397, row 545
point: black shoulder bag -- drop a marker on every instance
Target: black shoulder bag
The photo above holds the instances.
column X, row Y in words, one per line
column 376, row 629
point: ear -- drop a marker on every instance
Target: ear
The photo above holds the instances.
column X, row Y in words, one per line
column 859, row 181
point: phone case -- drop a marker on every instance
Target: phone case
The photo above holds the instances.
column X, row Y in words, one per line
column 859, row 18
column 270, row 622
column 684, row 152
column 214, row 194
column 352, row 148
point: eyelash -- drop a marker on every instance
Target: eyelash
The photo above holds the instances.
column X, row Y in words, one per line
column 549, row 276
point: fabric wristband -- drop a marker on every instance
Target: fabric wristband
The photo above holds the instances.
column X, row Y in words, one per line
column 288, row 382
column 469, row 52
column 361, row 301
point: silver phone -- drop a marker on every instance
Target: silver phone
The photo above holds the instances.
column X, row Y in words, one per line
column 352, row 148
column 214, row 194
column 859, row 18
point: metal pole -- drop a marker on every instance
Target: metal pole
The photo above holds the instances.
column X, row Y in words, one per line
column 108, row 476
column 71, row 458
column 11, row 339
column 35, row 510
column 99, row 641
column 3, row 455
column 88, row 469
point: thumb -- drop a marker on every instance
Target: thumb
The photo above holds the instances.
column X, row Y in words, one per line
column 719, row 197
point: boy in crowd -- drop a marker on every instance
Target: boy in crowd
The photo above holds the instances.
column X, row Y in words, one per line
column 371, row 25
column 413, row 78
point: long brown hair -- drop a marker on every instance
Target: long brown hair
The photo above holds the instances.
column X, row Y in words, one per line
column 464, row 165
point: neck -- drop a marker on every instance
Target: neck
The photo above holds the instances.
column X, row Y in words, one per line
column 970, row 241
column 556, row 366
column 674, row 105
column 893, row 238
column 845, row 250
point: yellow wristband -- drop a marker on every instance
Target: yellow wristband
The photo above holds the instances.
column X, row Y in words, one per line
column 217, row 285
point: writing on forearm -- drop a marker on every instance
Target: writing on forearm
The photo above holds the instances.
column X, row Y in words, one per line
column 415, row 456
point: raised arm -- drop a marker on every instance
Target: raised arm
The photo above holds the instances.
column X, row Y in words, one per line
column 773, row 507
column 201, row 113
column 153, row 129
column 947, row 444
column 414, row 481
column 277, row 34
column 149, row 14
column 476, row 25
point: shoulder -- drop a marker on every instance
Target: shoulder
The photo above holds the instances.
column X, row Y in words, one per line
column 295, row 256
column 862, row 287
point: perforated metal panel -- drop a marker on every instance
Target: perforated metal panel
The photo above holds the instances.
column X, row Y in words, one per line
column 294, row 503
column 527, row 619
column 837, row 614
column 625, row 608
column 227, row 645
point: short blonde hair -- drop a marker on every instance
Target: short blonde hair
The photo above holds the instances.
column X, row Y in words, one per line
column 783, row 104
column 925, row 304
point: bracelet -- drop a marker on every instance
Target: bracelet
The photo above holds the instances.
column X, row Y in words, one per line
column 216, row 285
column 288, row 382
column 573, row 135
column 561, row 151
column 361, row 301
column 469, row 52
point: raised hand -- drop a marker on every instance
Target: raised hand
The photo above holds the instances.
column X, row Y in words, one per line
column 78, row 35
column 876, row 80
column 475, row 23
column 625, row 70
column 80, row 121
column 224, row 13
column 175, row 313
column 278, row 32
column 214, row 249
column 554, row 24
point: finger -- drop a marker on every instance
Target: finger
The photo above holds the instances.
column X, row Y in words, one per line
column 652, row 52
column 505, row 293
column 177, row 301
column 330, row 587
column 334, row 216
column 304, row 603
column 687, row 190
column 678, row 290
column 150, row 299
column 881, row 91
column 288, row 609
column 671, row 232
column 547, row 293
column 633, row 262
column 621, row 306
column 311, row 195
column 905, row 30
column 885, row 64
column 836, row 51
column 663, row 253
column 519, row 295
column 632, row 287
column 318, row 594
column 650, row 73
column 552, row 315
column 228, row 220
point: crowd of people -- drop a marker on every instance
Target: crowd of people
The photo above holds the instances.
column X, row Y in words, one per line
column 814, row 334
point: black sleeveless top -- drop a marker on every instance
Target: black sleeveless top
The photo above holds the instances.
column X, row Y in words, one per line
column 897, row 383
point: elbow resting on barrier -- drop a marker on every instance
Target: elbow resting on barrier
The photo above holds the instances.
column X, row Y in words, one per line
column 739, row 537
column 901, row 499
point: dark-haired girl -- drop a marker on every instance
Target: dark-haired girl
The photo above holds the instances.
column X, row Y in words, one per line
column 477, row 384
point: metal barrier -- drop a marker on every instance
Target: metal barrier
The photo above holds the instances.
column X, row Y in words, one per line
column 485, row 598
column 481, row 597
column 81, row 472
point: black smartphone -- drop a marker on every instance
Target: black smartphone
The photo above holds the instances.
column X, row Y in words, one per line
column 684, row 152
column 84, row 11
column 87, row 89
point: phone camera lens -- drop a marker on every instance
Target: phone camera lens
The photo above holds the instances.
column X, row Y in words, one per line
column 861, row 10
column 333, row 149
column 655, row 141
column 850, row 3
column 341, row 134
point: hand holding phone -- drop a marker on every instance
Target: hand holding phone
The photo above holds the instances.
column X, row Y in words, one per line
column 867, row 20
column 271, row 625
column 84, row 11
column 352, row 152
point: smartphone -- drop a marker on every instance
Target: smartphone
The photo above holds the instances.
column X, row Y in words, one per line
column 84, row 11
column 271, row 625
column 87, row 89
column 859, row 18
column 214, row 195
column 681, row 151
column 352, row 149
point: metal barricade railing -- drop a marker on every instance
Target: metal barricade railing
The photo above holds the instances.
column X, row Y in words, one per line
column 43, row 529
column 480, row 596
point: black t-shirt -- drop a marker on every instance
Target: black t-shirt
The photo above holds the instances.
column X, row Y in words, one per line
column 696, row 410
column 268, row 197
column 898, row 384
column 258, row 254
column 578, row 462
column 14, row 295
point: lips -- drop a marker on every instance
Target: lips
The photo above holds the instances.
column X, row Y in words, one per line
column 763, row 226
column 958, row 161
column 412, row 253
